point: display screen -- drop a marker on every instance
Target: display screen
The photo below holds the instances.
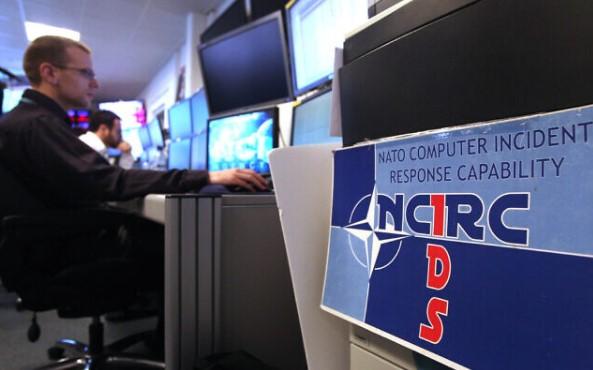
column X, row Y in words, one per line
column 156, row 134
column 199, row 112
column 144, row 135
column 79, row 120
column 131, row 113
column 316, row 28
column 242, row 141
column 180, row 120
column 311, row 121
column 179, row 154
column 198, row 152
column 247, row 67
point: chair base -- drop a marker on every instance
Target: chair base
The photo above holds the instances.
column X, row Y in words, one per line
column 103, row 362
column 73, row 354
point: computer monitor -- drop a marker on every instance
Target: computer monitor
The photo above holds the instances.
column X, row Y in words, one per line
column 247, row 67
column 79, row 120
column 179, row 154
column 156, row 134
column 199, row 154
column 311, row 121
column 131, row 113
column 242, row 141
column 144, row 135
column 315, row 29
column 180, row 120
column 199, row 112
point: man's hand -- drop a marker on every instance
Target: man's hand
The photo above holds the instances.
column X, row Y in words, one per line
column 124, row 147
column 247, row 179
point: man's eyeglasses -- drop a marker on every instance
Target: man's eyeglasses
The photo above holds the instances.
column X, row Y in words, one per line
column 85, row 72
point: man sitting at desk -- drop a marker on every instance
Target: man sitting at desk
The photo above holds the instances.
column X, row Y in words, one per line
column 53, row 165
column 104, row 134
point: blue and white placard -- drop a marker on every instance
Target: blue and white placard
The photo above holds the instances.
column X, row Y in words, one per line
column 472, row 245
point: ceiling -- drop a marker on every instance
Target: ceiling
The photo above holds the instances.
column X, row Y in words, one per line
column 131, row 39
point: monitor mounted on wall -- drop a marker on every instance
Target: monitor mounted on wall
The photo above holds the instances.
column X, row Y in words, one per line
column 247, row 67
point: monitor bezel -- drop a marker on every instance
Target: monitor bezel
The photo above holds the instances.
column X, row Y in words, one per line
column 313, row 85
column 277, row 16
column 191, row 128
column 313, row 96
column 275, row 128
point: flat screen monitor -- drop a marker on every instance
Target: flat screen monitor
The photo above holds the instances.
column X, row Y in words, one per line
column 156, row 133
column 315, row 29
column 242, row 141
column 199, row 112
column 247, row 67
column 179, row 154
column 311, row 121
column 131, row 113
column 198, row 152
column 144, row 135
column 79, row 120
column 180, row 120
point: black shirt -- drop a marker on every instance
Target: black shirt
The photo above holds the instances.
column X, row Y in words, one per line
column 38, row 147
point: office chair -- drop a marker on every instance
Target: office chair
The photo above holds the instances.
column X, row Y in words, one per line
column 36, row 262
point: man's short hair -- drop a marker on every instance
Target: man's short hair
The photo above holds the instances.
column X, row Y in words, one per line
column 48, row 49
column 102, row 117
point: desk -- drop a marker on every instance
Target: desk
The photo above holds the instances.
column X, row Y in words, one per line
column 227, row 285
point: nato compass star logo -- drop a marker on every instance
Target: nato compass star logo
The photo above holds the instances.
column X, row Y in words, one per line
column 371, row 240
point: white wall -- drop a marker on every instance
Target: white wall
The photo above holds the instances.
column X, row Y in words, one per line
column 160, row 93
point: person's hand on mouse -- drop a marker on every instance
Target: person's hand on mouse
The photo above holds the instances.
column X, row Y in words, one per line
column 244, row 178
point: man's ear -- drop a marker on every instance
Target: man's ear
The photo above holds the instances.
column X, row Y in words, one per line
column 48, row 73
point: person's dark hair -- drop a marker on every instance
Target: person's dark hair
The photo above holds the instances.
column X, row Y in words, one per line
column 47, row 49
column 100, row 117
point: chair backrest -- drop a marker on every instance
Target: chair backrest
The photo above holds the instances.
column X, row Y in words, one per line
column 14, row 197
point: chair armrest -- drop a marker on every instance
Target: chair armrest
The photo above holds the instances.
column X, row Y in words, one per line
column 36, row 244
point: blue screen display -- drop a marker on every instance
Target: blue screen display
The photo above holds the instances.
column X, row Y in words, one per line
column 199, row 113
column 180, row 120
column 241, row 141
column 179, row 154
column 198, row 152
column 144, row 135
column 156, row 135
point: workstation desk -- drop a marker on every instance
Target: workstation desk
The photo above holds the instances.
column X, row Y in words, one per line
column 227, row 283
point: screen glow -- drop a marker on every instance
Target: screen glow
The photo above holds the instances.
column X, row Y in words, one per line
column 242, row 141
